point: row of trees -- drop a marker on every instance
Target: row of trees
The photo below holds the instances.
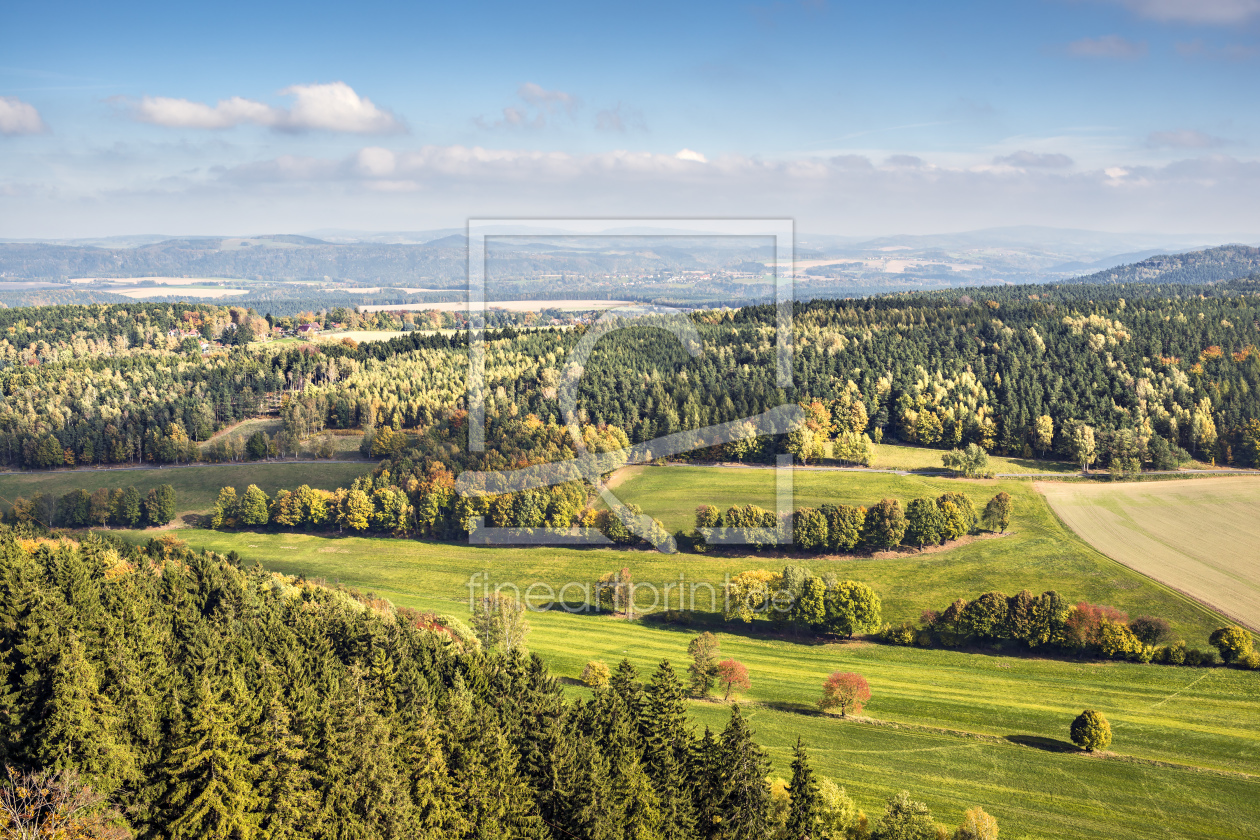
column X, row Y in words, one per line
column 797, row 599
column 1048, row 621
column 208, row 701
column 834, row 528
column 123, row 507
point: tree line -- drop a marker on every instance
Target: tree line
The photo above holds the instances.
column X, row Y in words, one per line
column 123, row 507
column 1050, row 622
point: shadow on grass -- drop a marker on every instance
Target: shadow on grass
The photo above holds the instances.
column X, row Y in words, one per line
column 1039, row 743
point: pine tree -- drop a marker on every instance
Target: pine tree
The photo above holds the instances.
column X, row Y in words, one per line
column 803, row 815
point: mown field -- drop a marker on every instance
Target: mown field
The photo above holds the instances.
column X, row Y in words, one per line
column 1201, row 536
column 196, row 487
column 896, row 457
column 346, row 445
column 964, row 728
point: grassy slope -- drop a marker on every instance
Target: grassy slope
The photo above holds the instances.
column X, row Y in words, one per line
column 1202, row 718
column 196, row 487
column 1040, row 553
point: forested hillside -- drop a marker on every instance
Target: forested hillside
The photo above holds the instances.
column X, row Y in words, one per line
column 197, row 699
column 1019, row 370
column 1212, row 265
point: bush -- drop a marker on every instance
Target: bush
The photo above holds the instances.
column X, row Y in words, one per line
column 1174, row 654
column 1091, row 731
column 904, row 633
column 1251, row 661
column 1194, row 657
column 596, row 674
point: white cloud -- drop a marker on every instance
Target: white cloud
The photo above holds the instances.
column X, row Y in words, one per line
column 323, row 107
column 1027, row 159
column 688, row 154
column 1221, row 12
column 1108, row 46
column 18, row 117
column 1183, row 139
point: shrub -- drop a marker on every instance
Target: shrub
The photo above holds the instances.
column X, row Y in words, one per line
column 1193, row 657
column 1251, row 661
column 596, row 674
column 904, row 633
column 1091, row 731
column 1233, row 643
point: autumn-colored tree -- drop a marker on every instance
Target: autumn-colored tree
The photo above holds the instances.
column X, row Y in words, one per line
column 596, row 674
column 977, row 825
column 732, row 674
column 1234, row 643
column 845, row 691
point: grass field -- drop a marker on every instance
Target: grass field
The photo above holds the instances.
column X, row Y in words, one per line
column 890, row 456
column 970, row 728
column 344, row 445
column 195, row 487
column 1201, row 536
column 361, row 336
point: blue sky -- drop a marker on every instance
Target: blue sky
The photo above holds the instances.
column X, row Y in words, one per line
column 855, row 118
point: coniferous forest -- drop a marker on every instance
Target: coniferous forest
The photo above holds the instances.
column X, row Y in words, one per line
column 175, row 695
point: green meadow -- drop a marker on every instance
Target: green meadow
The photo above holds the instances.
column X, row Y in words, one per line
column 954, row 728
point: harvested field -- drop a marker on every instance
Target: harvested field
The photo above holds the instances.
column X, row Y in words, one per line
column 1200, row 536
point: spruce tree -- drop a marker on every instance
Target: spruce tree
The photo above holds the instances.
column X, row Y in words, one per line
column 745, row 808
column 803, row 814
column 208, row 779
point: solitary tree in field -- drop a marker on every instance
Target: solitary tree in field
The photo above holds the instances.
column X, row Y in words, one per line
column 733, row 676
column 703, row 669
column 1233, row 642
column 596, row 674
column 1091, row 731
column 845, row 691
column 997, row 513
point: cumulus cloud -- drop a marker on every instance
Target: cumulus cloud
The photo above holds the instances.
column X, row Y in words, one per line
column 1108, row 46
column 18, row 117
column 688, row 154
column 905, row 161
column 1183, row 139
column 1026, row 159
column 1219, row 12
column 316, row 107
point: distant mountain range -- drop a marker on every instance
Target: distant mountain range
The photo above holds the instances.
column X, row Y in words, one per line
column 1212, row 265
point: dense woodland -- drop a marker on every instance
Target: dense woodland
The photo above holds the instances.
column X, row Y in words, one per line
column 185, row 697
column 1154, row 373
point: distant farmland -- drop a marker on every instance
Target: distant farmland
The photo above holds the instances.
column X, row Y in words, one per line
column 1201, row 536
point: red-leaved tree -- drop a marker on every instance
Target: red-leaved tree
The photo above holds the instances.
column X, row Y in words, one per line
column 845, row 691
column 732, row 674
column 1083, row 623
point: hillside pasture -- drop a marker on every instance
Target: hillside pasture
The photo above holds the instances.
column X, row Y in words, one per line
column 1200, row 536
